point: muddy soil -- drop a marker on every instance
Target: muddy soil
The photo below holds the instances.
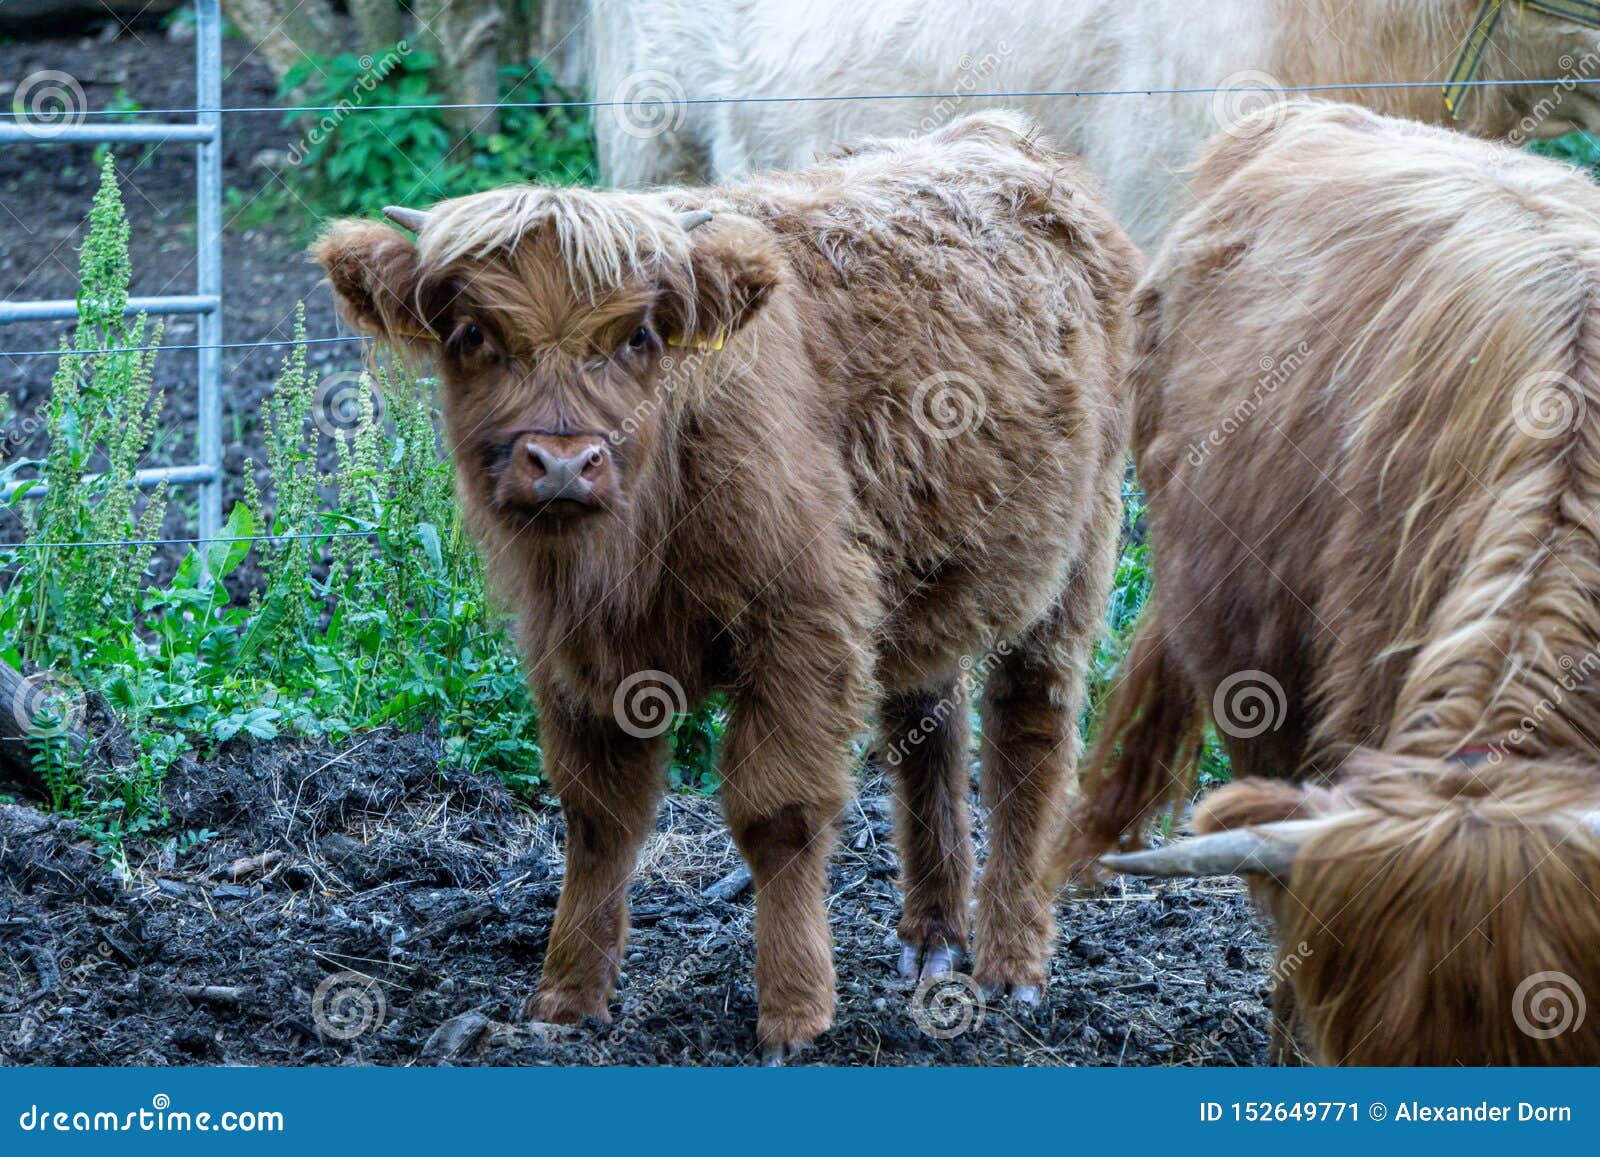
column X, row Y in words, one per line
column 362, row 906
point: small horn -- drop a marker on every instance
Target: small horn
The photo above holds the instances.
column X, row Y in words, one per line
column 693, row 219
column 412, row 219
column 1268, row 849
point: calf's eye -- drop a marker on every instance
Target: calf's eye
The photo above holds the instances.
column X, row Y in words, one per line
column 642, row 338
column 471, row 338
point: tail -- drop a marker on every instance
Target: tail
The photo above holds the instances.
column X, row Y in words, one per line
column 1143, row 760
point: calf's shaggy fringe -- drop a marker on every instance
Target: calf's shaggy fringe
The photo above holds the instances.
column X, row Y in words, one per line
column 1401, row 537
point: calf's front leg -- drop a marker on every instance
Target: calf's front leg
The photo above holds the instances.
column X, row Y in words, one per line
column 610, row 785
column 785, row 777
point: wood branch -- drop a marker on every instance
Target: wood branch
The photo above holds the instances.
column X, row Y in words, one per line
column 730, row 886
column 31, row 15
column 31, row 707
column 224, row 994
column 285, row 31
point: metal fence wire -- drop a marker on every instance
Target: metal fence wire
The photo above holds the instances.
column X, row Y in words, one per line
column 205, row 304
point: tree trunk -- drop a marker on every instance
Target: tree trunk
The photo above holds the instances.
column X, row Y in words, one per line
column 462, row 33
column 519, row 36
column 564, row 32
column 378, row 24
column 284, row 31
column 18, row 713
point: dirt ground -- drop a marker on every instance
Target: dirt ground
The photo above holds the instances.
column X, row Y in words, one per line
column 389, row 912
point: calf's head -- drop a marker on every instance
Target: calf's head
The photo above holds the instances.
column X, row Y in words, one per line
column 566, row 326
column 1426, row 913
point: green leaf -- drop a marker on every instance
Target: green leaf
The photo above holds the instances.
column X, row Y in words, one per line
column 429, row 534
column 260, row 722
column 224, row 554
column 274, row 611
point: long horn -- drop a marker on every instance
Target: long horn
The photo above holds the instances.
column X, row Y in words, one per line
column 693, row 219
column 412, row 219
column 1269, row 849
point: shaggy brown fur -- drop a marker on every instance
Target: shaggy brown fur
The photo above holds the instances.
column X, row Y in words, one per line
column 907, row 452
column 1368, row 417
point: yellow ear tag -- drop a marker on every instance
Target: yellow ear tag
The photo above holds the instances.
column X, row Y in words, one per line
column 418, row 336
column 701, row 343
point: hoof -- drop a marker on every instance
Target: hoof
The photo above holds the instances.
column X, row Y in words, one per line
column 562, row 1006
column 918, row 964
column 1022, row 995
column 777, row 1056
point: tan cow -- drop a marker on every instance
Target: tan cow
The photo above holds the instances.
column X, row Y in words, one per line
column 1367, row 411
column 811, row 441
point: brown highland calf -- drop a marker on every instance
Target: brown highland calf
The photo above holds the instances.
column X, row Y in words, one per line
column 812, row 440
column 1367, row 411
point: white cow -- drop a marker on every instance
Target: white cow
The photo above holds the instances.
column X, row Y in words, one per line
column 681, row 52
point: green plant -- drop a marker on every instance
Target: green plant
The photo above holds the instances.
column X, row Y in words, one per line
column 360, row 157
column 373, row 610
column 1579, row 149
column 696, row 740
column 1130, row 592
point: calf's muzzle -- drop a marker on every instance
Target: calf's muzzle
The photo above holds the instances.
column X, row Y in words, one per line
column 550, row 468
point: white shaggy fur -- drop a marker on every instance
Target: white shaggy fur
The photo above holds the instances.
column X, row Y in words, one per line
column 1140, row 145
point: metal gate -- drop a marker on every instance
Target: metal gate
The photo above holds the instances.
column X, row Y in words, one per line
column 206, row 302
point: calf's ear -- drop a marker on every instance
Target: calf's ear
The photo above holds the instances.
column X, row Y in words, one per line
column 736, row 267
column 374, row 271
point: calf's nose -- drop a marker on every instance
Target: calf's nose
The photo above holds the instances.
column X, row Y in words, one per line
column 564, row 468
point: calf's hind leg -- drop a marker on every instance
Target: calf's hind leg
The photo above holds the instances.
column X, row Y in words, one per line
column 923, row 737
column 610, row 784
column 1031, row 702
